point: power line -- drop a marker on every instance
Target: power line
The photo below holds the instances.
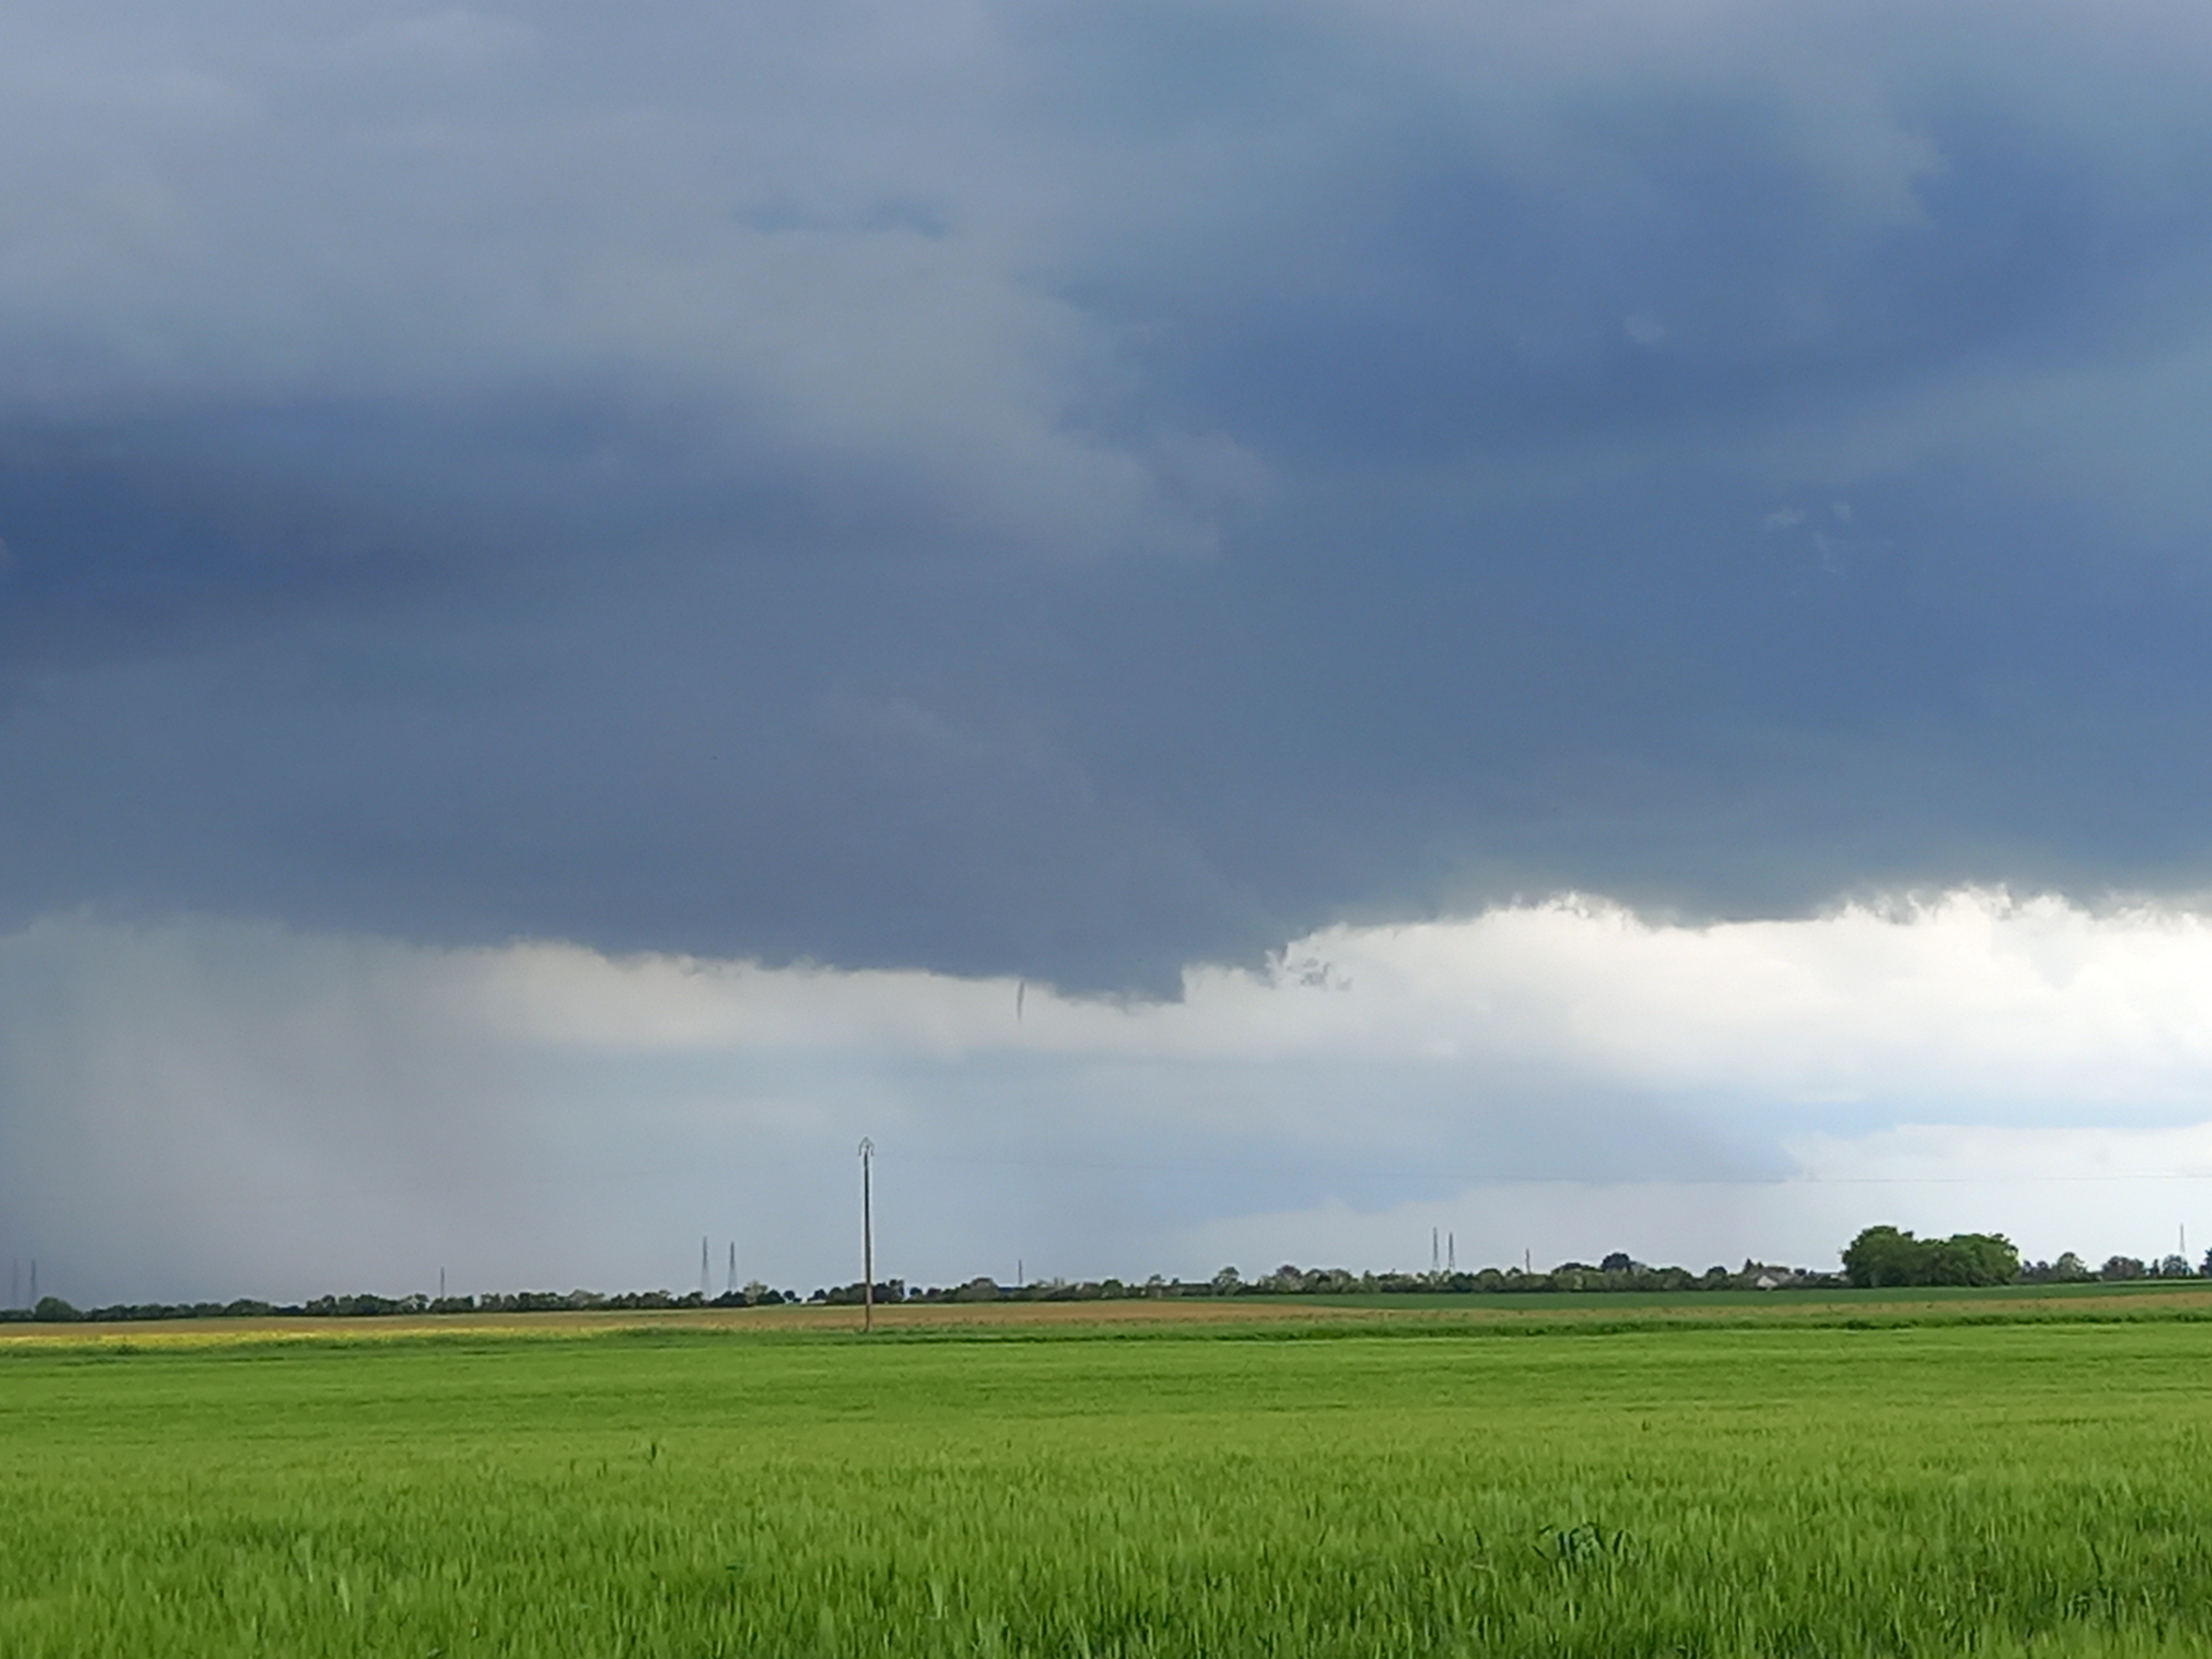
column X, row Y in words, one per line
column 1429, row 1174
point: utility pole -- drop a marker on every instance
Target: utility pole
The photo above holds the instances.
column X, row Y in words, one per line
column 1435, row 1261
column 733, row 1288
column 867, row 1238
column 703, row 1288
column 442, row 1284
column 1451, row 1252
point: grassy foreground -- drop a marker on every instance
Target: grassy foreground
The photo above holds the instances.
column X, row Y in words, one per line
column 1361, row 1487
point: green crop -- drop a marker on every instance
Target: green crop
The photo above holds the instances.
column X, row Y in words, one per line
column 1939, row 1489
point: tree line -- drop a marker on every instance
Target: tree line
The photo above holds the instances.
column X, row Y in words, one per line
column 1880, row 1257
column 1617, row 1272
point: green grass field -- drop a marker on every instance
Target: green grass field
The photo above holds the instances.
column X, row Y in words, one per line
column 1351, row 1485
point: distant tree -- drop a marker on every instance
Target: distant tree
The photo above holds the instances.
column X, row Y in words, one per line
column 2175, row 1266
column 2120, row 1266
column 1618, row 1262
column 52, row 1309
column 1886, row 1256
column 1883, row 1255
column 2070, row 1269
column 1228, row 1282
column 1974, row 1259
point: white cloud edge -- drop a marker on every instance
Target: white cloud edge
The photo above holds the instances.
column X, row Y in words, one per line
column 1973, row 995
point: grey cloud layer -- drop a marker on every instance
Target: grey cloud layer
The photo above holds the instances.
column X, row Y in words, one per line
column 1038, row 489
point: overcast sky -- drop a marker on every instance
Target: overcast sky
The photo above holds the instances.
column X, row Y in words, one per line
column 1578, row 621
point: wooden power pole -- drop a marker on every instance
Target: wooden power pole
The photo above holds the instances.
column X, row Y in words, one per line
column 868, row 1239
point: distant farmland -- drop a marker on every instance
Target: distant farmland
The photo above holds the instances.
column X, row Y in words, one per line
column 1910, row 1474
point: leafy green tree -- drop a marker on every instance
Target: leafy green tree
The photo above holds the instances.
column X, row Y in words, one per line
column 1883, row 1255
column 1887, row 1255
column 1972, row 1259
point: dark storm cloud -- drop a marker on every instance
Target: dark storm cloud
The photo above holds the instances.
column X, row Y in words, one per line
column 1067, row 492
